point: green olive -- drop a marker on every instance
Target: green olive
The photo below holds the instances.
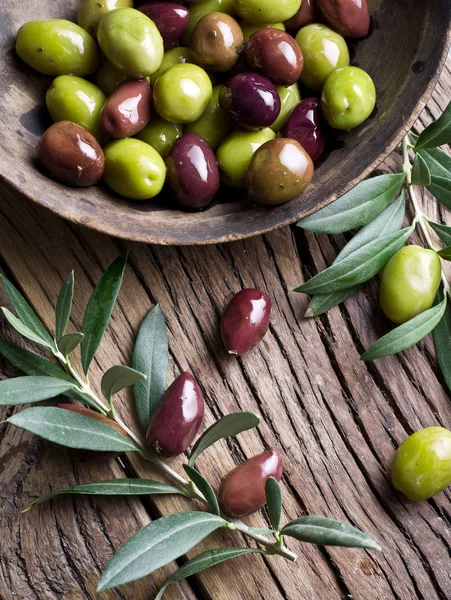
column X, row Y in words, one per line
column 235, row 154
column 249, row 29
column 324, row 51
column 108, row 78
column 409, row 283
column 172, row 57
column 182, row 93
column 71, row 98
column 160, row 134
column 422, row 464
column 200, row 9
column 348, row 98
column 131, row 42
column 134, row 169
column 289, row 99
column 259, row 12
column 91, row 11
column 57, row 47
column 214, row 125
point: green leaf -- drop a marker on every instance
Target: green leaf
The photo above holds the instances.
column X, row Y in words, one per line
column 420, row 172
column 150, row 357
column 442, row 342
column 67, row 343
column 321, row 303
column 327, row 532
column 27, row 315
column 29, row 389
column 408, row 334
column 25, row 330
column 228, row 426
column 356, row 208
column 117, row 378
column 358, row 267
column 204, row 561
column 273, row 501
column 443, row 232
column 64, row 306
column 445, row 253
column 440, row 188
column 71, row 429
column 99, row 309
column 261, row 530
column 205, row 487
column 159, row 543
column 113, row 487
column 438, row 162
column 437, row 133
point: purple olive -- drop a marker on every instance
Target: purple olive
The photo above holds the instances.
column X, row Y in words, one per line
column 192, row 171
column 242, row 491
column 170, row 18
column 127, row 110
column 308, row 13
column 245, row 320
column 305, row 125
column 178, row 417
column 351, row 18
column 250, row 99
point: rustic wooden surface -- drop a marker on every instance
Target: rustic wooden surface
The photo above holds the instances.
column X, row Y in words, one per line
column 336, row 419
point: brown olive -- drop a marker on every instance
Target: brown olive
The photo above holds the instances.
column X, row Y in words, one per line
column 279, row 171
column 245, row 321
column 308, row 13
column 127, row 110
column 351, row 18
column 71, row 154
column 217, row 42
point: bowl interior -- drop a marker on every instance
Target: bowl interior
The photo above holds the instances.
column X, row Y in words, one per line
column 404, row 54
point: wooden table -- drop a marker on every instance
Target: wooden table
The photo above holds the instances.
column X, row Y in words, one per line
column 336, row 419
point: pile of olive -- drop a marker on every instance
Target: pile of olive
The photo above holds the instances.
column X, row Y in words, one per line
column 223, row 106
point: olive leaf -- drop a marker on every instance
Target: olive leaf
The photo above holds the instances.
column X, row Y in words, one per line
column 99, row 309
column 438, row 133
column 159, row 543
column 24, row 330
column 328, row 532
column 439, row 165
column 205, row 487
column 150, row 356
column 67, row 343
column 442, row 341
column 204, row 561
column 440, row 188
column 227, row 426
column 261, row 530
column 321, row 303
column 113, row 487
column 273, row 501
column 445, row 253
column 71, row 429
column 29, row 389
column 443, row 232
column 64, row 306
column 356, row 208
column 408, row 334
column 117, row 378
column 420, row 171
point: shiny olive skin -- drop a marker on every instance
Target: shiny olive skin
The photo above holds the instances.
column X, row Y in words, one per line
column 71, row 98
column 308, row 13
column 274, row 54
column 160, row 134
column 266, row 11
column 177, row 418
column 242, row 491
column 249, row 29
column 176, row 56
column 108, row 78
column 409, row 283
column 305, row 126
column 71, row 155
column 134, row 169
column 214, row 125
column 131, row 42
column 91, row 11
column 199, row 10
column 127, row 110
column 182, row 93
column 170, row 18
column 57, row 47
column 289, row 99
column 192, row 172
column 279, row 171
column 351, row 18
column 250, row 99
column 324, row 50
column 217, row 42
column 348, row 98
column 422, row 464
column 235, row 154
column 245, row 321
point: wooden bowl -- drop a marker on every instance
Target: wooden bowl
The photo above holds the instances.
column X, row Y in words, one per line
column 404, row 55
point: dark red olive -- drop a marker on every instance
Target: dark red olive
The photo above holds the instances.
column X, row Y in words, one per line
column 170, row 18
column 242, row 491
column 250, row 99
column 71, row 154
column 192, row 171
column 178, row 417
column 245, row 320
column 274, row 54
column 351, row 18
column 87, row 412
column 308, row 13
column 305, row 125
column 127, row 110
